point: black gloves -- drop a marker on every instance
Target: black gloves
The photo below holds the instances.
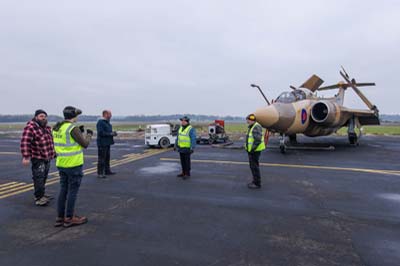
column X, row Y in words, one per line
column 191, row 151
column 88, row 131
column 114, row 133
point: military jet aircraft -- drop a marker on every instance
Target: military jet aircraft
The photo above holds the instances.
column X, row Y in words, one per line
column 301, row 111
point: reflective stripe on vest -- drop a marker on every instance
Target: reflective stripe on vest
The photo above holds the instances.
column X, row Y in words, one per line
column 69, row 152
column 250, row 140
column 184, row 138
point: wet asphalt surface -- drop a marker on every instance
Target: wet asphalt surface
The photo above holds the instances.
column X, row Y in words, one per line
column 144, row 215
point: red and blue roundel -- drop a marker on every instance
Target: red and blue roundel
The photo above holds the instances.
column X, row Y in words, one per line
column 303, row 116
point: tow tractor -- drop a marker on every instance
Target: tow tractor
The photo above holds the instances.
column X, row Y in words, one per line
column 161, row 135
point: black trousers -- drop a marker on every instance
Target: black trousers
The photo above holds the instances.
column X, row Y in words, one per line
column 103, row 163
column 40, row 171
column 185, row 162
column 254, row 161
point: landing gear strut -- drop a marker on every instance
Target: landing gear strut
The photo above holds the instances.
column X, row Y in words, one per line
column 282, row 144
column 293, row 139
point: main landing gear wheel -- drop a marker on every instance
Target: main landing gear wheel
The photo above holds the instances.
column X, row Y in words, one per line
column 293, row 139
column 353, row 139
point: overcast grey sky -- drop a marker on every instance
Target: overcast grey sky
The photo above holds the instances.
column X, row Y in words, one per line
column 164, row 57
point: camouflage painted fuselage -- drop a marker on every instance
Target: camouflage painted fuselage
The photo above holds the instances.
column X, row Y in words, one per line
column 311, row 117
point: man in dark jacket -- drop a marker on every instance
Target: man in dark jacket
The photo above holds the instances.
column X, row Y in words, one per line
column 37, row 147
column 105, row 138
column 185, row 143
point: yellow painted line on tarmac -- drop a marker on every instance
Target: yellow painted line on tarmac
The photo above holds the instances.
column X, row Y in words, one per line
column 7, row 184
column 393, row 171
column 9, row 153
column 112, row 161
column 50, row 181
column 129, row 155
column 16, row 193
column 12, row 186
column 334, row 168
column 125, row 160
column 56, row 179
column 21, row 186
column 130, row 158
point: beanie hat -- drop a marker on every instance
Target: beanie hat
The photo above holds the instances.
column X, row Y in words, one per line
column 40, row 111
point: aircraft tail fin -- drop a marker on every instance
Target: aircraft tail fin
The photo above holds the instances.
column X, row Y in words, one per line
column 340, row 96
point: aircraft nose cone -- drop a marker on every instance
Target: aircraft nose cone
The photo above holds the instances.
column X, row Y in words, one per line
column 267, row 116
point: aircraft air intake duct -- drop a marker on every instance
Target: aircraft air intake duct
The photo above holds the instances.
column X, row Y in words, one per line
column 325, row 113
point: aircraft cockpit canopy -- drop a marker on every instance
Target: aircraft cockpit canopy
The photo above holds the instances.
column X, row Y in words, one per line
column 291, row 96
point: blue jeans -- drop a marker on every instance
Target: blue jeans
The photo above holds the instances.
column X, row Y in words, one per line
column 70, row 181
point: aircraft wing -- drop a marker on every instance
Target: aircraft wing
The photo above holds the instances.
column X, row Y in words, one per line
column 365, row 117
column 313, row 83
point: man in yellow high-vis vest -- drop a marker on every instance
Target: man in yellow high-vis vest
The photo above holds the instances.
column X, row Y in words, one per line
column 185, row 144
column 69, row 142
column 254, row 146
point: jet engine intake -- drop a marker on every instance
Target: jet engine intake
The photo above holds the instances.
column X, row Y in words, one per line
column 324, row 113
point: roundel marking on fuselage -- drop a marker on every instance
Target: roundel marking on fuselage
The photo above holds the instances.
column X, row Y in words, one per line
column 303, row 116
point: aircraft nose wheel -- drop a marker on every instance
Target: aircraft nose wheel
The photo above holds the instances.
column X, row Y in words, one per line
column 282, row 144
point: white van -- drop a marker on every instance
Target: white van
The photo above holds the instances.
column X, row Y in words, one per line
column 161, row 135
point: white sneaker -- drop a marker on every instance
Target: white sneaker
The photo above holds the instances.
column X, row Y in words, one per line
column 41, row 202
column 48, row 197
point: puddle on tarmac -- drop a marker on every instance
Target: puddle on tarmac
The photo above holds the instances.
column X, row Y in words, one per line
column 138, row 146
column 129, row 145
column 390, row 196
column 161, row 168
column 120, row 144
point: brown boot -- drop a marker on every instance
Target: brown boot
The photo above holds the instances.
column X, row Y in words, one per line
column 181, row 175
column 73, row 221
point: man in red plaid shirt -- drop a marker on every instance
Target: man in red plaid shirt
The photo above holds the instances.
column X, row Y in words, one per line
column 37, row 147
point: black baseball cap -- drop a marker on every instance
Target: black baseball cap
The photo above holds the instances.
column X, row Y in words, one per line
column 185, row 118
column 71, row 112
